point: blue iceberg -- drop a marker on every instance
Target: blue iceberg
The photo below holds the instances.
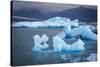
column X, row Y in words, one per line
column 59, row 45
column 92, row 57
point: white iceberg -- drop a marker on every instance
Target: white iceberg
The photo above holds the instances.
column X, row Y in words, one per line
column 78, row 45
column 59, row 44
column 38, row 46
column 83, row 31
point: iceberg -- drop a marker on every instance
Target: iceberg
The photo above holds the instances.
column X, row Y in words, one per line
column 92, row 28
column 83, row 31
column 92, row 57
column 78, row 45
column 87, row 33
column 27, row 24
column 52, row 22
column 59, row 44
column 38, row 46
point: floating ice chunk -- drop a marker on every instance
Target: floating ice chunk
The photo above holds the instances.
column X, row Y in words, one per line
column 78, row 45
column 92, row 57
column 37, row 42
column 87, row 33
column 59, row 44
column 92, row 28
column 84, row 32
column 52, row 22
column 27, row 24
column 45, row 39
column 67, row 29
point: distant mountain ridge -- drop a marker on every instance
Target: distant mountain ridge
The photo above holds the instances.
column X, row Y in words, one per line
column 81, row 13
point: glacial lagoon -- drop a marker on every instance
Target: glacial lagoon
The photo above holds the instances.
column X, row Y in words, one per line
column 23, row 43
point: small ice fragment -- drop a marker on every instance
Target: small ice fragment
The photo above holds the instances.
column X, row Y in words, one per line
column 92, row 57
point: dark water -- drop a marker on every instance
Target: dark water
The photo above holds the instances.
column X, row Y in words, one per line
column 22, row 44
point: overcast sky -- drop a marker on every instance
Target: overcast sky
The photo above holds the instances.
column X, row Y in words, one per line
column 45, row 7
column 43, row 10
